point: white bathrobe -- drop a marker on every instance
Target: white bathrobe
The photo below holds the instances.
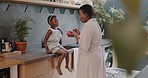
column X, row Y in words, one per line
column 90, row 59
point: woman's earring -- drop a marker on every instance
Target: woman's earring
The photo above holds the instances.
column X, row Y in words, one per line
column 86, row 15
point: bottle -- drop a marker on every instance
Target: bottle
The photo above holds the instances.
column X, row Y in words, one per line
column 0, row 46
column 10, row 48
column 13, row 45
column 3, row 45
column 7, row 47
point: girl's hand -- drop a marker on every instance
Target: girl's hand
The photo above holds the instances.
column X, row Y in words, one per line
column 48, row 51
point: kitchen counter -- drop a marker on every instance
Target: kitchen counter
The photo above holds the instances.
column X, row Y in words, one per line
column 12, row 64
column 4, row 63
column 33, row 56
column 37, row 54
column 35, row 59
column 40, row 63
column 36, row 63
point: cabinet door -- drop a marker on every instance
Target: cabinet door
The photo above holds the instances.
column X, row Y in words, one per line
column 36, row 69
column 43, row 76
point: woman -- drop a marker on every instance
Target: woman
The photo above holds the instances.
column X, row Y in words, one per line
column 52, row 45
column 90, row 60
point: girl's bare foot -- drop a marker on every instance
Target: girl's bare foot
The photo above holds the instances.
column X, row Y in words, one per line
column 68, row 68
column 59, row 70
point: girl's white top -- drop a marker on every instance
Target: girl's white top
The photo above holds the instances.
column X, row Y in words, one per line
column 53, row 40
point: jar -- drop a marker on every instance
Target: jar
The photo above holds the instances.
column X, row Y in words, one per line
column 7, row 46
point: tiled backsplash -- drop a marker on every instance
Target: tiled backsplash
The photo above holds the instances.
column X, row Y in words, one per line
column 68, row 19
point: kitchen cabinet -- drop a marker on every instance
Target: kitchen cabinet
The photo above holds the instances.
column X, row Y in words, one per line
column 70, row 46
column 43, row 76
column 37, row 64
column 12, row 64
column 36, row 69
column 39, row 69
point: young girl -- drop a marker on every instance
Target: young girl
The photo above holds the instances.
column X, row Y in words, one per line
column 51, row 43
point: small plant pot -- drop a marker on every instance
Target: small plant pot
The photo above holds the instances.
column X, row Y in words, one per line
column 21, row 46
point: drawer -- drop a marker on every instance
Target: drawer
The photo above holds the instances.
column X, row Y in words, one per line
column 36, row 69
column 43, row 76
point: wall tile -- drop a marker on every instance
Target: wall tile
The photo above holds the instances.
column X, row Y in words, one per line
column 67, row 21
column 56, row 11
column 66, row 12
column 71, row 11
column 21, row 7
column 30, row 9
column 44, row 10
column 50, row 9
column 38, row 9
column 4, row 6
column 62, row 10
column 17, row 7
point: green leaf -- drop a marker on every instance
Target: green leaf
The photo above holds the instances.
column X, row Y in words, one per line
column 22, row 28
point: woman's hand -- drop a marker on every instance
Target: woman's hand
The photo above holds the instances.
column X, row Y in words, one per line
column 70, row 34
column 73, row 33
column 76, row 35
column 76, row 30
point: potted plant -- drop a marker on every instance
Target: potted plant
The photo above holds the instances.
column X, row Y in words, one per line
column 109, row 17
column 21, row 29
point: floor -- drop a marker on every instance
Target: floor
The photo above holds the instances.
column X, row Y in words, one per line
column 66, row 73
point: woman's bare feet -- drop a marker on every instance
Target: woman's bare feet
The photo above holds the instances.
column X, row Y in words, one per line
column 68, row 68
column 59, row 70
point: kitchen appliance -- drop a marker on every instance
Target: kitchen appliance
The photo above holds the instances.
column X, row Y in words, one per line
column 108, row 52
column 5, row 73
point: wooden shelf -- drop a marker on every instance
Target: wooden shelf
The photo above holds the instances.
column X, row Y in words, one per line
column 43, row 3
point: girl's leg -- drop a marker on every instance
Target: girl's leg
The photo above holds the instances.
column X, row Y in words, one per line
column 66, row 59
column 61, row 57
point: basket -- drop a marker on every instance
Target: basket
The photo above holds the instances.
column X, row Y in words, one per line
column 115, row 73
